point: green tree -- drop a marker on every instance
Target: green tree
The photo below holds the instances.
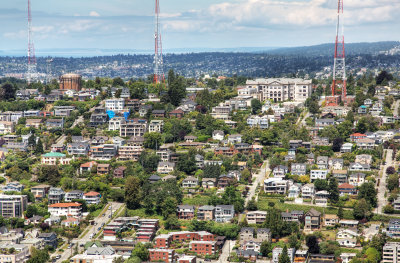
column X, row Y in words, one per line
column 252, row 205
column 172, row 222
column 39, row 256
column 372, row 255
column 141, row 252
column 340, row 213
column 265, row 248
column 333, row 190
column 367, row 192
column 39, row 147
column 255, row 106
column 362, row 210
column 393, row 182
column 152, row 140
column 132, row 192
column 284, row 257
column 321, row 185
column 50, row 174
column 312, row 244
column 176, row 88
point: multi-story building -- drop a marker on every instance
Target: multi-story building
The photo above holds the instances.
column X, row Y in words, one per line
column 135, row 127
column 130, row 153
column 65, row 209
column 257, row 121
column 55, row 158
column 185, row 211
column 75, row 148
column 224, row 213
column 63, row 111
column 277, row 251
column 103, row 152
column 55, row 195
column 40, row 191
column 276, row 186
column 205, row 212
column 13, row 205
column 318, row 174
column 73, row 195
column 115, row 123
column 281, row 89
column 156, row 126
column 162, row 255
column 312, row 220
column 391, row 252
column 20, row 253
column 6, row 127
column 115, row 105
column 92, row 198
column 256, row 217
column 203, row 247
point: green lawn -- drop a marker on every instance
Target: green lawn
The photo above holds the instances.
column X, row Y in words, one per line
column 142, row 214
column 263, row 205
column 197, row 200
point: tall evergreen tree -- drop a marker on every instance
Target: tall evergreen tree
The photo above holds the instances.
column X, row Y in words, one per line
column 284, row 257
column 333, row 190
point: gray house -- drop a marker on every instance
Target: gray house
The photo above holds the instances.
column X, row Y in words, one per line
column 224, row 213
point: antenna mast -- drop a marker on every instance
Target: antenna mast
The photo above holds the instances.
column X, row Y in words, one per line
column 339, row 66
column 31, row 74
column 158, row 59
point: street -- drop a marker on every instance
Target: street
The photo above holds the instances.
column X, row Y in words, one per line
column 382, row 185
column 260, row 176
column 92, row 229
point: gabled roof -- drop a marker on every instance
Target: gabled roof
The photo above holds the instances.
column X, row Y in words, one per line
column 313, row 212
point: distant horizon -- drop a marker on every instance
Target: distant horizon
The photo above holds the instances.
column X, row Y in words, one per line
column 94, row 52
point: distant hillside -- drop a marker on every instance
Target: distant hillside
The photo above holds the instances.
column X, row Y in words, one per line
column 328, row 49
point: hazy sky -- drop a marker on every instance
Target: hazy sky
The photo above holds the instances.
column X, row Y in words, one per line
column 128, row 24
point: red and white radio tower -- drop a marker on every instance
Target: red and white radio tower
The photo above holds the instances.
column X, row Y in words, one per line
column 158, row 58
column 31, row 75
column 339, row 66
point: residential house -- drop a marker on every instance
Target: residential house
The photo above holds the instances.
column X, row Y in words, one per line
column 87, row 167
column 34, row 123
column 103, row 168
column 55, row 158
column 190, row 182
column 20, row 253
column 224, row 213
column 55, row 195
column 218, row 135
column 256, row 217
column 165, row 167
column 50, row 239
column 364, row 159
column 92, row 198
column 318, row 174
column 357, row 179
column 312, row 220
column 340, row 175
column 308, row 191
column 322, row 162
column 40, row 191
column 208, row 183
column 65, row 209
column 156, row 126
column 226, row 180
column 235, row 138
column 185, row 212
column 294, row 191
column 365, row 144
column 73, row 195
column 330, row 220
column 276, row 186
column 178, row 113
column 336, row 164
column 346, row 148
column 55, row 123
column 206, row 212
column 347, row 257
column 298, row 169
column 135, row 127
column 78, row 149
column 359, row 167
column 347, row 189
column 119, row 172
column 280, row 171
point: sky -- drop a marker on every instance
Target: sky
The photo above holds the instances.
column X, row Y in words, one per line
column 188, row 24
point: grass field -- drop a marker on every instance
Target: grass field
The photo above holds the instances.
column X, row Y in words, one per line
column 197, row 200
column 263, row 205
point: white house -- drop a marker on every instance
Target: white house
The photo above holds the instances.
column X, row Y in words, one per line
column 356, row 179
column 294, row 191
column 65, row 209
column 92, row 198
column 318, row 174
column 218, row 135
column 115, row 105
column 308, row 191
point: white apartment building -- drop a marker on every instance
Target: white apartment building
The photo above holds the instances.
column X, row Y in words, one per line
column 276, row 186
column 65, row 209
column 92, row 198
column 115, row 123
column 257, row 121
column 391, row 252
column 115, row 105
column 282, row 89
column 256, row 217
column 318, row 174
column 156, row 126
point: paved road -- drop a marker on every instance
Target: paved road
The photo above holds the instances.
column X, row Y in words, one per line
column 62, row 138
column 382, row 185
column 260, row 176
column 92, row 230
column 226, row 251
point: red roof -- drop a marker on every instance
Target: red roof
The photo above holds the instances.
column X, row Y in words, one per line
column 65, row 205
column 88, row 164
column 92, row 194
column 358, row 135
column 346, row 185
